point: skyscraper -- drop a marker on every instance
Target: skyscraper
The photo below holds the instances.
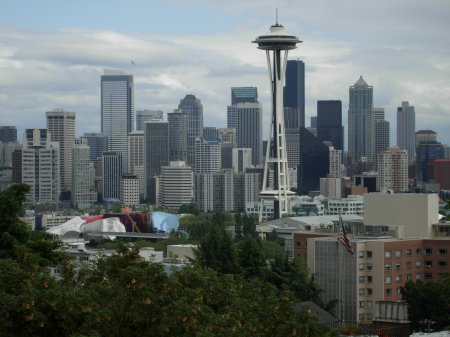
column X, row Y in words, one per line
column 329, row 123
column 406, row 128
column 117, row 109
column 83, row 192
column 382, row 134
column 178, row 135
column 143, row 116
column 240, row 95
column 8, row 134
column 40, row 166
column 61, row 125
column 277, row 44
column 294, row 90
column 194, row 108
column 98, row 143
column 176, row 185
column 425, row 135
column 361, row 128
column 427, row 150
column 135, row 150
column 207, row 155
column 249, row 129
column 228, row 142
column 112, row 165
column 156, row 154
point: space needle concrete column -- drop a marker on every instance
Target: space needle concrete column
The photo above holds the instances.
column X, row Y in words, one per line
column 276, row 44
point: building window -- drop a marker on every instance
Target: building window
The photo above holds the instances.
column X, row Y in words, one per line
column 369, row 254
column 442, row 264
column 428, row 276
column 428, row 264
column 361, row 279
column 361, row 317
column 442, row 252
column 398, row 253
column 398, row 278
column 418, row 276
column 361, row 304
column 362, row 266
column 361, row 291
column 408, row 277
column 408, row 252
column 388, row 292
column 361, row 253
column 369, row 317
column 418, row 264
column 387, row 254
column 387, row 267
column 388, row 279
column 369, row 304
column 399, row 291
column 428, row 251
column 418, row 252
column 369, row 266
column 442, row 277
column 398, row 266
column 369, row 291
column 369, row 279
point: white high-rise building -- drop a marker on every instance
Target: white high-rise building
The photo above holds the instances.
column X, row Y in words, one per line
column 40, row 166
column 117, row 110
column 129, row 191
column 331, row 187
column 393, row 170
column 83, row 191
column 176, row 184
column 135, row 150
column 406, row 128
column 61, row 125
column 208, row 155
column 335, row 163
column 242, row 158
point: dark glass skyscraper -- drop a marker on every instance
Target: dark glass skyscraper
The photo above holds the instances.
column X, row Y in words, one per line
column 8, row 134
column 294, row 90
column 329, row 123
column 194, row 108
column 178, row 135
column 314, row 162
column 425, row 151
column 240, row 95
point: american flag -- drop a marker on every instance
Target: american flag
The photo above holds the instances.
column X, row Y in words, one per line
column 343, row 238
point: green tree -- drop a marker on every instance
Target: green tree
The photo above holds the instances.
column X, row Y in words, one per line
column 251, row 258
column 191, row 208
column 237, row 226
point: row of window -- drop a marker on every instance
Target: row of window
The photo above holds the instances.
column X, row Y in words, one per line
column 365, row 291
column 426, row 277
column 428, row 264
column 409, row 252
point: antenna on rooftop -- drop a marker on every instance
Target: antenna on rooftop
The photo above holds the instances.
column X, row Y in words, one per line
column 276, row 15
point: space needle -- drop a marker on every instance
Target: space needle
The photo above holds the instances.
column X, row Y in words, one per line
column 276, row 44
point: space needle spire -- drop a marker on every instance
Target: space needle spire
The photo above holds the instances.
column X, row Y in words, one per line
column 276, row 44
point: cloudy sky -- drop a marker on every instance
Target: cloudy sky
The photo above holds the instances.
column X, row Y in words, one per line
column 52, row 54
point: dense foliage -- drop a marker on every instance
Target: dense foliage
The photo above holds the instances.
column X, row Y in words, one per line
column 122, row 295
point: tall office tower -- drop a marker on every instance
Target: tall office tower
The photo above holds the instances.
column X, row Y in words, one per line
column 208, row 155
column 294, row 90
column 361, row 128
column 427, row 150
column 194, row 108
column 227, row 137
column 156, row 154
column 210, row 132
column 292, row 127
column 425, row 136
column 135, row 150
column 240, row 95
column 406, row 128
column 40, row 166
column 335, row 165
column 98, row 144
column 143, row 116
column 8, row 134
column 314, row 162
column 393, row 170
column 278, row 43
column 6, row 153
column 83, row 192
column 112, row 165
column 61, row 125
column 382, row 132
column 249, row 129
column 117, row 110
column 242, row 158
column 129, row 190
column 314, row 122
column 178, row 135
column 329, row 123
column 176, row 184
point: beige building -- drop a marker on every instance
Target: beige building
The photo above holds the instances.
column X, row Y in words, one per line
column 175, row 185
column 393, row 170
column 415, row 212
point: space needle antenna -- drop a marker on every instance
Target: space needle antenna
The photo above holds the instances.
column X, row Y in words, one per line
column 276, row 16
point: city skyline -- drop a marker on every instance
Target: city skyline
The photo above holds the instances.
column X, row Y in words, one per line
column 55, row 60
